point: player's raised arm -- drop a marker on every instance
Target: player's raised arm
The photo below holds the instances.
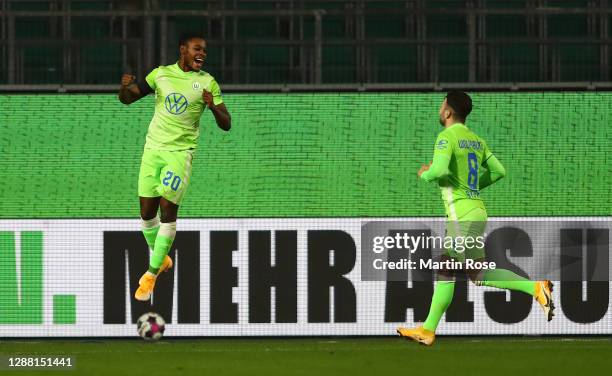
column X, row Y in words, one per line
column 215, row 103
column 129, row 91
column 222, row 116
column 493, row 171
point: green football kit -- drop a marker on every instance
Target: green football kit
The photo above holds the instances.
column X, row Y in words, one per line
column 174, row 130
column 459, row 155
column 462, row 165
column 172, row 138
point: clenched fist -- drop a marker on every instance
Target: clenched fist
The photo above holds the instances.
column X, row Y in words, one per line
column 127, row 79
column 424, row 168
column 207, row 97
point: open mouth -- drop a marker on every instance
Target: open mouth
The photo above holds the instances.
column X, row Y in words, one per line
column 198, row 62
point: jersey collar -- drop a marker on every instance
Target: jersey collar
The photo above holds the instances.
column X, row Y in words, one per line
column 177, row 67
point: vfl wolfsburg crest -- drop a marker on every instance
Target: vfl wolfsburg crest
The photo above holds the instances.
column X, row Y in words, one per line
column 196, row 86
column 176, row 103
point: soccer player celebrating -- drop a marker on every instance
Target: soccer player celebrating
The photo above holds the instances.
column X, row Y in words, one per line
column 182, row 92
column 463, row 165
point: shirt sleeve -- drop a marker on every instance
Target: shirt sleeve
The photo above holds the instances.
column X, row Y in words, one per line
column 443, row 151
column 438, row 168
column 443, row 146
column 145, row 88
column 150, row 79
column 487, row 152
column 216, row 92
column 493, row 171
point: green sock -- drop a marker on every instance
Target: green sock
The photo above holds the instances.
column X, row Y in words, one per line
column 150, row 234
column 163, row 242
column 505, row 279
column 150, row 228
column 441, row 299
column 162, row 246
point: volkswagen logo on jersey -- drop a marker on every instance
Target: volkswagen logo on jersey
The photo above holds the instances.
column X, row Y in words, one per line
column 176, row 103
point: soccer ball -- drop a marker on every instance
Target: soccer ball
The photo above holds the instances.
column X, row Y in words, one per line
column 150, row 326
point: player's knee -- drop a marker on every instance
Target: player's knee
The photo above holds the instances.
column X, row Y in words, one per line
column 167, row 218
column 148, row 209
column 168, row 215
column 146, row 215
column 148, row 212
column 169, row 211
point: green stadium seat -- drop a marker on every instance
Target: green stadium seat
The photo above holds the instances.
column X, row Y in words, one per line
column 334, row 27
column 256, row 27
column 518, row 62
column 90, row 28
column 453, row 63
column 101, row 64
column 260, row 27
column 504, row 26
column 3, row 67
column 339, row 64
column 323, row 5
column 89, row 5
column 506, row 4
column 579, row 62
column 32, row 27
column 42, row 64
column 384, row 26
column 183, row 24
column 395, row 63
column 28, row 5
column 571, row 26
column 268, row 64
column 180, row 5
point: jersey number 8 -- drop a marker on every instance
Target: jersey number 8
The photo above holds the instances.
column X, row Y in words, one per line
column 473, row 171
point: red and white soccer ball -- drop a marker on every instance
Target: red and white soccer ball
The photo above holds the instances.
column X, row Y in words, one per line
column 151, row 326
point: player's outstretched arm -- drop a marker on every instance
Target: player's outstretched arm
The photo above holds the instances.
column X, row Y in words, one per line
column 129, row 91
column 494, row 172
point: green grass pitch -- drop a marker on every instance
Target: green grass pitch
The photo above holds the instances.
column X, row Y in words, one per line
column 492, row 356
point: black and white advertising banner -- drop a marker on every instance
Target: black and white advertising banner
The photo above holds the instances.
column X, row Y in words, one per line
column 300, row 277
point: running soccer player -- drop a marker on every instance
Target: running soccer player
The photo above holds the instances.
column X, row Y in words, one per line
column 182, row 92
column 462, row 165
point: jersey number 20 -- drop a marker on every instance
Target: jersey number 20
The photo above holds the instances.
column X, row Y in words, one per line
column 175, row 182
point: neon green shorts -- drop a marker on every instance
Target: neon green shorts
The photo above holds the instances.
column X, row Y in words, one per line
column 468, row 230
column 165, row 173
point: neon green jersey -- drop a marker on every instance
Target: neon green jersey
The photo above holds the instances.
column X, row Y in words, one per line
column 178, row 106
column 458, row 155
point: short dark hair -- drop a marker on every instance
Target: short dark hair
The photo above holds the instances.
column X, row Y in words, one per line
column 186, row 37
column 460, row 102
